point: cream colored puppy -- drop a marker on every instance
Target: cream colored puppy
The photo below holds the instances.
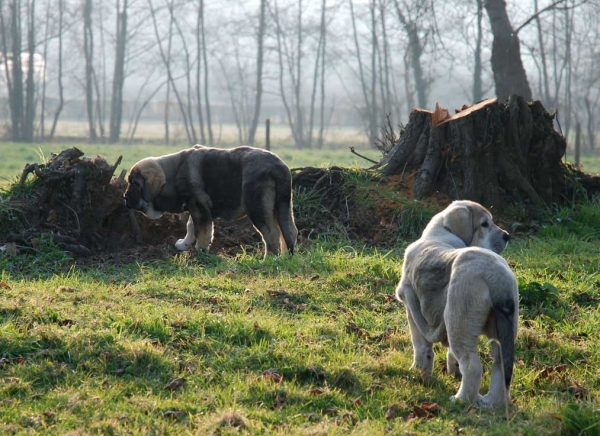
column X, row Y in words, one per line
column 456, row 287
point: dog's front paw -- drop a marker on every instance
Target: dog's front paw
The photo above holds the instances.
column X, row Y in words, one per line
column 200, row 249
column 490, row 401
column 458, row 399
column 182, row 245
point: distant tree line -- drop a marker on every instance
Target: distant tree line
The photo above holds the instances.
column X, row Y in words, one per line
column 382, row 57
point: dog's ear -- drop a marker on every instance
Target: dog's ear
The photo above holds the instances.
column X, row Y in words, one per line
column 154, row 178
column 459, row 220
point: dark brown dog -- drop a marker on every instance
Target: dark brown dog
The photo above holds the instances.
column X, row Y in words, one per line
column 214, row 183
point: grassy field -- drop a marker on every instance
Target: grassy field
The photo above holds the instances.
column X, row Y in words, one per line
column 15, row 156
column 309, row 345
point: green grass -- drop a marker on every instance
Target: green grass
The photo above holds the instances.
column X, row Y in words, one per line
column 306, row 345
column 16, row 155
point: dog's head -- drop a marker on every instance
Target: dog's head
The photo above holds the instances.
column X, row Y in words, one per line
column 146, row 179
column 473, row 223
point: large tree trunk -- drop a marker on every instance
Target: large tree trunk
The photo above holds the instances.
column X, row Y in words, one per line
column 259, row 73
column 30, row 100
column 17, row 108
column 492, row 153
column 61, row 93
column 116, row 107
column 509, row 73
column 88, row 44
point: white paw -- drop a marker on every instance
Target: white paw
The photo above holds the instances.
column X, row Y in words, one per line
column 182, row 245
column 490, row 401
column 457, row 399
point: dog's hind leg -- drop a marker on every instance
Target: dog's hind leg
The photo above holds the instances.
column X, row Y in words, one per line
column 423, row 350
column 466, row 315
column 259, row 202
column 202, row 226
column 498, row 393
column 452, row 364
column 466, row 353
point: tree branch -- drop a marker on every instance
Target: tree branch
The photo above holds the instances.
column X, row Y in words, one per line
column 546, row 9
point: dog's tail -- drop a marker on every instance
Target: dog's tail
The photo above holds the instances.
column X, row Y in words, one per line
column 505, row 314
column 284, row 212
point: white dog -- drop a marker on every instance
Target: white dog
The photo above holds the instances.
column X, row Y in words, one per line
column 456, row 287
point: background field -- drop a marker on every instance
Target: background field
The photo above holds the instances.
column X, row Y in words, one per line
column 314, row 344
column 14, row 156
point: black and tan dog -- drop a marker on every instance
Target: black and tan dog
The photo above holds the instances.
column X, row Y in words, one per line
column 214, row 183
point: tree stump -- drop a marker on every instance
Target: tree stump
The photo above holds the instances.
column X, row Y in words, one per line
column 491, row 152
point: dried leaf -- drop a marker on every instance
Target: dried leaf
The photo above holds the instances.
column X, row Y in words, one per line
column 316, row 391
column 313, row 417
column 276, row 292
column 175, row 384
column 280, row 400
column 352, row 327
column 271, row 374
column 173, row 414
column 5, row 285
column 329, row 412
column 392, row 412
column 578, row 391
column 349, row 418
column 425, row 410
column 546, row 372
column 66, row 323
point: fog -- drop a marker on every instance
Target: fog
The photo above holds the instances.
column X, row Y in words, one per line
column 188, row 71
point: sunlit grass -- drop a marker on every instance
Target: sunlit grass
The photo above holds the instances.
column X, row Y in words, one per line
column 309, row 344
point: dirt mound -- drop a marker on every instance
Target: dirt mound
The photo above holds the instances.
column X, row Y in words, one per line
column 77, row 202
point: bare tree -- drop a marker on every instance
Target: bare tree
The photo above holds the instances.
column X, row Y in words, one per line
column 323, row 36
column 477, row 67
column 369, row 111
column 88, row 47
column 320, row 60
column 198, row 34
column 509, row 73
column 116, row 107
column 45, row 54
column 206, row 81
column 61, row 92
column 22, row 101
column 167, row 63
column 416, row 43
column 30, row 102
column 260, row 55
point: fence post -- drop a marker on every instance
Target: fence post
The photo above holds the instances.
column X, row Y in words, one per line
column 268, row 139
column 577, row 144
